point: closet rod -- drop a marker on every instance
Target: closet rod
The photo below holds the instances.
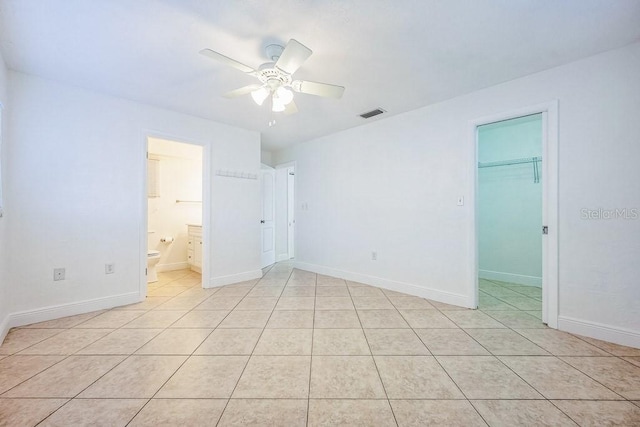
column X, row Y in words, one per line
column 509, row 162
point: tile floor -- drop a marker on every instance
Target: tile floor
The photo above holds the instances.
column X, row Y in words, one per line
column 296, row 348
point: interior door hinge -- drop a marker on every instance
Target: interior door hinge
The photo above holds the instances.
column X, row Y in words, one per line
column 545, row 229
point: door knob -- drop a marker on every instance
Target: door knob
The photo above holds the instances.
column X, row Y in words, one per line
column 262, row 221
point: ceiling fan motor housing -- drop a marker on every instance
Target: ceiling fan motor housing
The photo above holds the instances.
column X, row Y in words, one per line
column 273, row 77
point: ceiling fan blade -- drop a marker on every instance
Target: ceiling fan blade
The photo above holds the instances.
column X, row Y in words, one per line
column 226, row 60
column 290, row 108
column 319, row 89
column 293, row 56
column 242, row 91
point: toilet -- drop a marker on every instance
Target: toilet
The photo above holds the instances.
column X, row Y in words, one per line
column 153, row 257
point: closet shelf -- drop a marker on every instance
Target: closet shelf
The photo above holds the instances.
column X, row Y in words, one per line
column 533, row 160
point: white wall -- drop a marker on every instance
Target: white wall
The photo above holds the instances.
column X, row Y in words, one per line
column 4, row 263
column 266, row 157
column 391, row 186
column 76, row 194
column 510, row 202
column 180, row 178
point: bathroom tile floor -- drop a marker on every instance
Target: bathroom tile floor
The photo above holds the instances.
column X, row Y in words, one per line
column 297, row 348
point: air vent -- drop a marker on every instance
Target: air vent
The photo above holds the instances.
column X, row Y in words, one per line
column 372, row 113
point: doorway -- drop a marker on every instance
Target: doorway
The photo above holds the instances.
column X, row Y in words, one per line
column 176, row 212
column 267, row 223
column 515, row 214
column 285, row 211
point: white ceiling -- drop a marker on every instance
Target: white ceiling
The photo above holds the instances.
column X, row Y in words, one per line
column 394, row 54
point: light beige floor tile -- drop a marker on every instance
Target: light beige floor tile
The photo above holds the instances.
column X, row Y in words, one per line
column 175, row 341
column 302, row 282
column 450, row 342
column 156, row 319
column 205, row 377
column 148, row 304
column 180, row 412
column 282, row 342
column 230, row 342
column 419, row 413
column 347, row 377
column 332, row 291
column 275, row 377
column 323, row 280
column 365, row 291
column 516, row 319
column 411, row 303
column 295, row 303
column 535, row 313
column 505, row 342
column 333, row 342
column 521, row 413
column 67, row 342
column 522, row 302
column 16, row 369
column 633, row 360
column 448, row 307
column 257, row 303
column 67, row 378
column 395, row 342
column 415, row 377
column 291, row 319
column 427, row 319
column 65, row 322
column 95, row 412
column 299, row 291
column 121, row 341
column 26, row 412
column 485, row 377
column 530, row 291
column 600, row 413
column 615, row 349
column 341, row 412
column 233, row 291
column 390, row 293
column 614, row 373
column 167, row 291
column 265, row 291
column 372, row 303
column 245, row 319
column 19, row 339
column 334, row 319
column 265, row 412
column 217, row 302
column 136, row 377
column 487, row 302
column 334, row 303
column 373, row 319
column 201, row 319
column 472, row 319
column 560, row 343
column 182, row 302
column 555, row 379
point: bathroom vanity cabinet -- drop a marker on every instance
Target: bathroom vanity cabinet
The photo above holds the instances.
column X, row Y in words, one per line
column 194, row 247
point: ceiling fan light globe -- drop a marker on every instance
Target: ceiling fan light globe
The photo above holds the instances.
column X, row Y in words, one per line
column 285, row 96
column 259, row 95
column 277, row 106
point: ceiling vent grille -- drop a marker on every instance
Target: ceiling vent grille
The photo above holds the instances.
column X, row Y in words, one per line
column 372, row 113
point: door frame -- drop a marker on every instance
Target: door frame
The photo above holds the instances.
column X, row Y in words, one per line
column 272, row 171
column 550, row 269
column 206, row 206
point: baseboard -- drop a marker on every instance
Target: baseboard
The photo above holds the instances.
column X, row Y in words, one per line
column 173, row 266
column 392, row 285
column 63, row 310
column 599, row 331
column 234, row 278
column 510, row 278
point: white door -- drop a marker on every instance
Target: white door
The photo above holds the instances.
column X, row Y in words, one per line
column 267, row 222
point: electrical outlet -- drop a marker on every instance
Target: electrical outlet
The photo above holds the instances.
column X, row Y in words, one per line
column 374, row 256
column 109, row 268
column 58, row 274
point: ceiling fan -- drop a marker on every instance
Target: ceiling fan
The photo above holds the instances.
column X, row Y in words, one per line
column 275, row 77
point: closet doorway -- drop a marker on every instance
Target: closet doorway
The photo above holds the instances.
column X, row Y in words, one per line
column 515, row 211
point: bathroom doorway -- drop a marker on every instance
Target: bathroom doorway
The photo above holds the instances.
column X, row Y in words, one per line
column 515, row 216
column 176, row 219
